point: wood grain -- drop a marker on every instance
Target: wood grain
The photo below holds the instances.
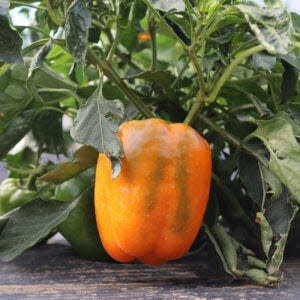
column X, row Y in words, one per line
column 55, row 272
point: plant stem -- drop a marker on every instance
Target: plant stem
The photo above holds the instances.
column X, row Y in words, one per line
column 229, row 70
column 34, row 45
column 55, row 17
column 230, row 138
column 202, row 98
column 152, row 31
column 223, row 133
column 125, row 57
column 194, row 59
column 108, row 71
column 33, row 28
column 117, row 35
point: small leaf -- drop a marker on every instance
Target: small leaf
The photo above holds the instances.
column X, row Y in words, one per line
column 262, row 278
column 266, row 232
column 168, row 5
column 272, row 26
column 10, row 42
column 77, row 26
column 84, row 158
column 97, row 122
column 39, row 58
column 31, row 223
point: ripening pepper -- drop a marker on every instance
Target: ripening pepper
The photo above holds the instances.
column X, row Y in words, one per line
column 12, row 195
column 154, row 209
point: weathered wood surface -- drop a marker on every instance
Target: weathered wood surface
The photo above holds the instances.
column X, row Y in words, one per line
column 55, row 272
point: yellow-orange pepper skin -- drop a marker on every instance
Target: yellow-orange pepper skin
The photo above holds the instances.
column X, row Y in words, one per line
column 154, row 209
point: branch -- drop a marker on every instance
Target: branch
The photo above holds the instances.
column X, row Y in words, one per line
column 108, row 71
column 212, row 96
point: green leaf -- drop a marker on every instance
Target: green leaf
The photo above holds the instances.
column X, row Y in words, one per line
column 4, row 7
column 278, row 136
column 289, row 85
column 168, row 5
column 273, row 3
column 97, row 122
column 265, row 231
column 272, row 181
column 272, row 26
column 263, row 61
column 162, row 79
column 292, row 59
column 39, row 57
column 251, row 177
column 16, row 90
column 77, row 26
column 218, row 250
column 49, row 138
column 15, row 131
column 10, row 42
column 280, row 213
column 296, row 21
column 30, row 224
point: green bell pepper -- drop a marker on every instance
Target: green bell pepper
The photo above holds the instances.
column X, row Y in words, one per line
column 12, row 195
column 80, row 228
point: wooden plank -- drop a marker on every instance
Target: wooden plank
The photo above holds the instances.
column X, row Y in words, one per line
column 55, row 272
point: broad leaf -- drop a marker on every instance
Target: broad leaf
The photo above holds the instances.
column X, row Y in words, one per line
column 77, row 26
column 97, row 122
column 30, row 224
column 10, row 42
column 278, row 136
column 251, row 177
column 272, row 26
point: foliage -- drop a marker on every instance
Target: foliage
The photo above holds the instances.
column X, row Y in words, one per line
column 229, row 68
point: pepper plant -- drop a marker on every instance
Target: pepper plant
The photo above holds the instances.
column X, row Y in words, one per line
column 227, row 68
